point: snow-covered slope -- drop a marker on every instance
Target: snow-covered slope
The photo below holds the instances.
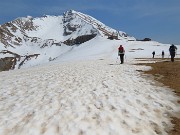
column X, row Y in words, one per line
column 48, row 27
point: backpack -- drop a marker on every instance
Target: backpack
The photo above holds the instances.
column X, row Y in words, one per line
column 121, row 50
column 172, row 49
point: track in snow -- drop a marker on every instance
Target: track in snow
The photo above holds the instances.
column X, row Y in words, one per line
column 83, row 98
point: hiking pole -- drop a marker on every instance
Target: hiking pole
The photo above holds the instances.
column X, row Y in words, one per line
column 117, row 60
column 125, row 58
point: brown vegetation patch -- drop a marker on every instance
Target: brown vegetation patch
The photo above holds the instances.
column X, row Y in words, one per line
column 169, row 73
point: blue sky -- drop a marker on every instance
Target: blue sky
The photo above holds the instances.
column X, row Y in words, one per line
column 156, row 19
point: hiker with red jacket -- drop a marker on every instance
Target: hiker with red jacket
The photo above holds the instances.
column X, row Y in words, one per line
column 121, row 52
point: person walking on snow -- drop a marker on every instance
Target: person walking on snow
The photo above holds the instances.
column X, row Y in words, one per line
column 153, row 53
column 121, row 53
column 172, row 51
column 163, row 54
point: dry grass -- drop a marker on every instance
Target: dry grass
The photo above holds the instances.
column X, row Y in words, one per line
column 170, row 72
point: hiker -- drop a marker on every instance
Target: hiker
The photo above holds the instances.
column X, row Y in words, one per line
column 121, row 52
column 153, row 53
column 163, row 54
column 172, row 51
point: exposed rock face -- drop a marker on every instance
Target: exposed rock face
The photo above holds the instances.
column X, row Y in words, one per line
column 68, row 29
column 68, row 26
column 26, row 58
column 7, row 63
column 74, row 22
column 25, row 24
column 79, row 40
column 6, row 36
column 8, row 31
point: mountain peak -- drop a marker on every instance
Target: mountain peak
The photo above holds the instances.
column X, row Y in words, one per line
column 37, row 36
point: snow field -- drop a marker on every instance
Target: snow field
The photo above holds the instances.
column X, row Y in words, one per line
column 84, row 98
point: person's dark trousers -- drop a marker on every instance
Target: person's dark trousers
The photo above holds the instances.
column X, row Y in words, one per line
column 122, row 58
column 172, row 57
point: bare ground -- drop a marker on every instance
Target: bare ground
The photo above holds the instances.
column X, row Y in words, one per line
column 170, row 72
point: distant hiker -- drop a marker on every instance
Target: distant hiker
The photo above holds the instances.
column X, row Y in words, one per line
column 121, row 52
column 153, row 53
column 172, row 51
column 162, row 54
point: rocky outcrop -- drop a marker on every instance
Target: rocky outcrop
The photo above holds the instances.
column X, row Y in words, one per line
column 9, row 30
column 25, row 24
column 9, row 63
column 79, row 40
column 6, row 36
column 26, row 58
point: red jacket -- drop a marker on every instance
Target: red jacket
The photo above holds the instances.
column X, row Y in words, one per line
column 121, row 50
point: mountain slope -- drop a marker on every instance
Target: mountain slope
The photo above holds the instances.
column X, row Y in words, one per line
column 46, row 38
